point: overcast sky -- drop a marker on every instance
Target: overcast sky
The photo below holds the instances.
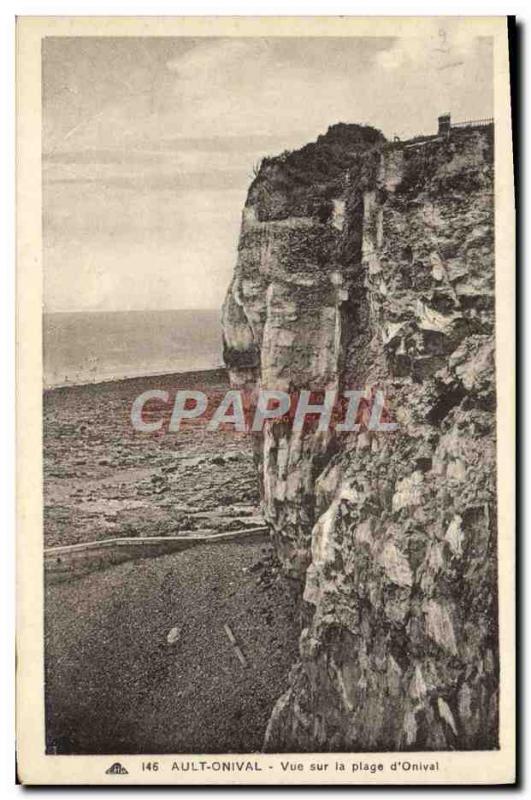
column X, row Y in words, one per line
column 149, row 145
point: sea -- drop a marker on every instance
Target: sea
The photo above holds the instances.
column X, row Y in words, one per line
column 91, row 347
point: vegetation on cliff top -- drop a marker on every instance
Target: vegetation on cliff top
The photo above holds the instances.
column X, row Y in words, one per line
column 303, row 182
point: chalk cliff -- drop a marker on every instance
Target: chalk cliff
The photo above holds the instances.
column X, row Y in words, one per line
column 364, row 264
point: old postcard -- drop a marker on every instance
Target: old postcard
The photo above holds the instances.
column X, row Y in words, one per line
column 265, row 401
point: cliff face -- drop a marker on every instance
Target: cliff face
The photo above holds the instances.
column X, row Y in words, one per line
column 364, row 264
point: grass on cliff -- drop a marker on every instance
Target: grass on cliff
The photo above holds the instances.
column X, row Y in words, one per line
column 303, row 182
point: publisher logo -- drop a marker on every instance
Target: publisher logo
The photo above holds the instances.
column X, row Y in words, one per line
column 116, row 769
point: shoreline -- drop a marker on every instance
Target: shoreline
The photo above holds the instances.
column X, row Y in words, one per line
column 190, row 374
column 103, row 479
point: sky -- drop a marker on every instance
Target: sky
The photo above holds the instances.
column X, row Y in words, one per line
column 149, row 145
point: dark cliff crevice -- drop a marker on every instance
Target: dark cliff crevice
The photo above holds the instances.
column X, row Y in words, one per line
column 365, row 264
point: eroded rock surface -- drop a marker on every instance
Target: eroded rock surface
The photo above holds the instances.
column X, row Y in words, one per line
column 364, row 264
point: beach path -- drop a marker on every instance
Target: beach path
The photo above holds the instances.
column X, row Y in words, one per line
column 138, row 659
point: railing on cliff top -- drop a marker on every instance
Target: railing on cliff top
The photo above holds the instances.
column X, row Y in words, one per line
column 473, row 122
